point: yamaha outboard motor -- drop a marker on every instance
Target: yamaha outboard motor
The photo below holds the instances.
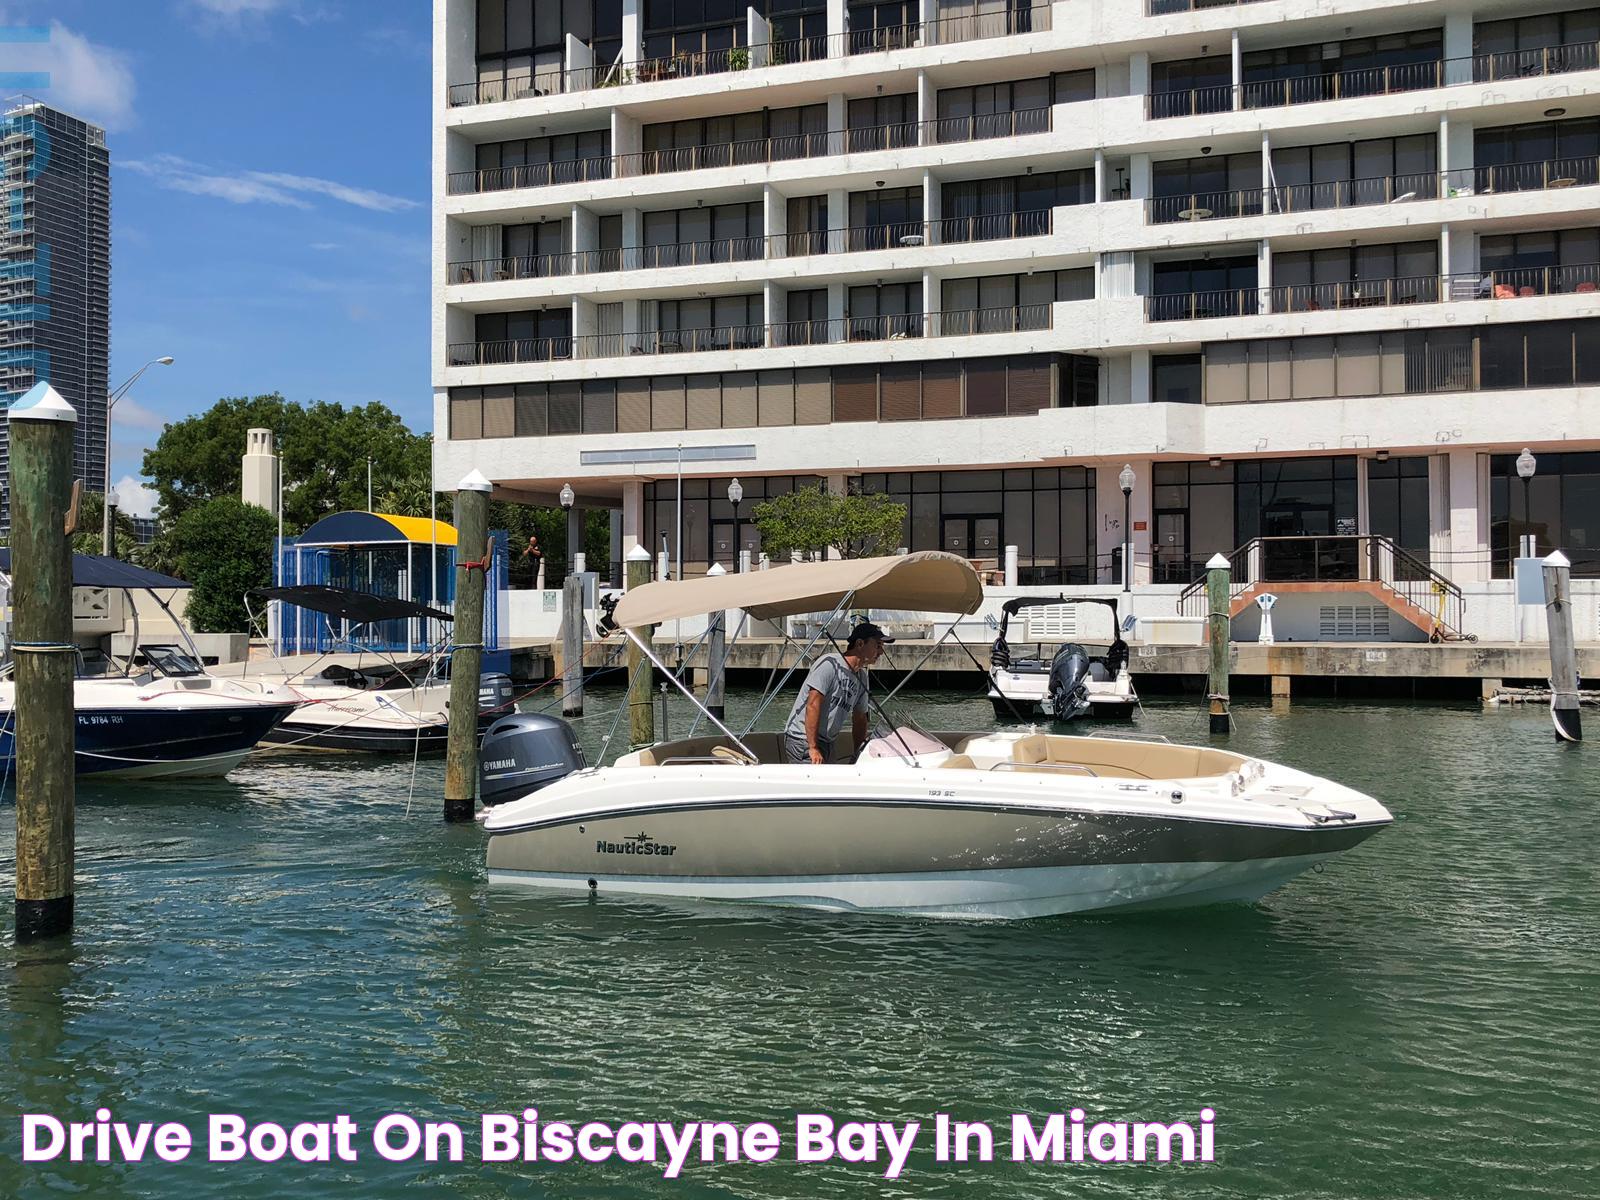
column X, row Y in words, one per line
column 523, row 753
column 496, row 697
column 1068, row 670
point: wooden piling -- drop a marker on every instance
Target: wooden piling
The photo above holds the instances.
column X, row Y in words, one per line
column 1218, row 632
column 641, row 713
column 466, row 660
column 1564, row 682
column 716, row 657
column 572, row 647
column 41, row 426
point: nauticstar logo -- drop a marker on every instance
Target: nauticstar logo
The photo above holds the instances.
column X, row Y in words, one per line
column 639, row 843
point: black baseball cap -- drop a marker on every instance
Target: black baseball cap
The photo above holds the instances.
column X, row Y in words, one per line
column 866, row 630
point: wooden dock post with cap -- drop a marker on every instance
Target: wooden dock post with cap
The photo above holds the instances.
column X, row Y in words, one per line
column 641, row 713
column 1218, row 633
column 41, row 427
column 1564, row 681
column 717, row 658
column 572, row 646
column 466, row 660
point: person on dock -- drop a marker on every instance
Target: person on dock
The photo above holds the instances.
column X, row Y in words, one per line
column 835, row 688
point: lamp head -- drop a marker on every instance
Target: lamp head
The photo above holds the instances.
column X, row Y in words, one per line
column 165, row 360
column 1527, row 464
column 568, row 496
column 1125, row 478
column 735, row 492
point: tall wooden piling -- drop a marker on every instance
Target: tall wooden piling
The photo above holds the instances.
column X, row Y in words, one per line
column 41, row 426
column 466, row 660
column 1564, row 701
column 1218, row 632
column 716, row 657
column 641, row 713
column 572, row 647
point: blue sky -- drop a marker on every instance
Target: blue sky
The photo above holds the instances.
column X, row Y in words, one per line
column 270, row 192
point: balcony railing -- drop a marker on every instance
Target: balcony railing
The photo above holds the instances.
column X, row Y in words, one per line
column 1373, row 81
column 1288, row 298
column 1580, row 171
column 892, row 328
column 788, row 147
column 903, row 235
column 527, row 83
column 1518, row 283
column 1292, row 198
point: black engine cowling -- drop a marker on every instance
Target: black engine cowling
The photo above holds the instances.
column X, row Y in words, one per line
column 1068, row 671
column 523, row 753
column 495, row 696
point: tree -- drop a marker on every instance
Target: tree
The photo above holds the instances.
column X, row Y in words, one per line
column 90, row 535
column 223, row 547
column 811, row 519
column 323, row 449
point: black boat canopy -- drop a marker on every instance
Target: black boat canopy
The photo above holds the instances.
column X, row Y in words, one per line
column 360, row 607
column 91, row 570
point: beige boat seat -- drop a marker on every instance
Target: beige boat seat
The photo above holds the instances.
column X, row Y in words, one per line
column 958, row 762
column 1119, row 759
column 767, row 747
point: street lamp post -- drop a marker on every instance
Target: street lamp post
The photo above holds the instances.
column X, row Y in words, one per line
column 1527, row 464
column 1125, row 480
column 107, row 535
column 735, row 495
column 568, row 499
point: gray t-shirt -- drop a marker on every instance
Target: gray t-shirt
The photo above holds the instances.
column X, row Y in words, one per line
column 843, row 692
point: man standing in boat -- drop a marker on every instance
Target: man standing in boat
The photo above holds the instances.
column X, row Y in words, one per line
column 835, row 688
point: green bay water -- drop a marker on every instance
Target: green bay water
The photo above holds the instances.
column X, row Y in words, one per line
column 290, row 944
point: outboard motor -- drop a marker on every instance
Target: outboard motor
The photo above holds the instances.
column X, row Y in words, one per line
column 496, row 697
column 1068, row 670
column 523, row 753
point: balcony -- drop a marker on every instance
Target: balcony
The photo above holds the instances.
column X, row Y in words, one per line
column 890, row 328
column 898, row 236
column 530, row 84
column 1293, row 298
column 1520, row 283
column 1373, row 81
column 861, row 140
column 1557, row 173
column 1293, row 198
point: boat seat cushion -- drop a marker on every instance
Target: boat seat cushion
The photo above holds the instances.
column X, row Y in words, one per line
column 1125, row 759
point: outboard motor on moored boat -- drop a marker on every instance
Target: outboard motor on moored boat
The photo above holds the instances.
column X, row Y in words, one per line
column 1068, row 672
column 496, row 697
column 523, row 753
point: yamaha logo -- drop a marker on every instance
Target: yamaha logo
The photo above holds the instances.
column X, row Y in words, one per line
column 639, row 843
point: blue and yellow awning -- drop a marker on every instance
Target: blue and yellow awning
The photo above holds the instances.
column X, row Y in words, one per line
column 376, row 529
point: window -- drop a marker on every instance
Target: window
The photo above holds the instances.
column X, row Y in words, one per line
column 1342, row 174
column 1193, row 85
column 1560, row 510
column 1217, row 287
column 543, row 161
column 528, row 336
column 1353, row 276
column 890, row 310
column 709, row 323
column 891, row 25
column 1539, row 45
column 1003, row 303
column 884, row 218
column 688, row 236
column 1016, row 206
column 882, row 122
column 1334, row 70
column 521, row 48
column 1175, row 378
column 806, row 317
column 807, row 225
column 1515, row 158
column 1397, row 502
column 691, row 37
column 1227, row 185
column 993, row 110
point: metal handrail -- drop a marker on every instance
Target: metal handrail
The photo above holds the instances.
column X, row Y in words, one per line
column 1510, row 283
column 861, row 139
column 1372, row 81
column 772, row 53
column 1286, row 298
column 823, row 331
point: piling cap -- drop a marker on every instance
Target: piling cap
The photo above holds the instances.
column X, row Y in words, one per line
column 1218, row 561
column 475, row 482
column 42, row 402
column 716, row 569
column 638, row 554
column 1557, row 559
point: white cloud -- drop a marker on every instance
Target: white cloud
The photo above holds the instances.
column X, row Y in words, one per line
column 130, row 414
column 237, row 12
column 133, row 497
column 324, row 245
column 259, row 187
column 87, row 80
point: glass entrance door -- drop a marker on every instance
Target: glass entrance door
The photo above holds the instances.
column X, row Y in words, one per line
column 973, row 537
column 1172, row 547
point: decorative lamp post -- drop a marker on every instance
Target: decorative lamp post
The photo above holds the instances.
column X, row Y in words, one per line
column 735, row 495
column 1527, row 464
column 1125, row 480
column 568, row 499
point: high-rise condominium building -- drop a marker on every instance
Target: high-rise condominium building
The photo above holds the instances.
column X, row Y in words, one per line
column 1303, row 268
column 55, row 274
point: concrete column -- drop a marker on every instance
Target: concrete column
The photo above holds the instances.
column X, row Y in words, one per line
column 1363, row 508
column 1238, row 69
column 758, row 37
column 627, row 136
column 932, row 302
column 632, row 30
column 1139, row 377
column 1100, row 194
column 583, row 232
column 932, row 203
column 1139, row 74
column 1264, row 276
column 838, row 115
column 1139, row 177
column 1469, row 544
column 1439, row 510
column 1266, row 161
column 633, row 530
column 836, row 313
column 838, row 21
column 774, row 220
column 838, row 220
column 774, row 308
column 580, row 65
column 1458, row 45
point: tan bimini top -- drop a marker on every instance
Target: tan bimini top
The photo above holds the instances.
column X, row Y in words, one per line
column 929, row 581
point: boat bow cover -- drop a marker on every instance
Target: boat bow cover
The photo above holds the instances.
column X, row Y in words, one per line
column 929, row 580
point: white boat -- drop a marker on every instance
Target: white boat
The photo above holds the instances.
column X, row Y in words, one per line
column 1073, row 684
column 166, row 718
column 373, row 706
column 1009, row 824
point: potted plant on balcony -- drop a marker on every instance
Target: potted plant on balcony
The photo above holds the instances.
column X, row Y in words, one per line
column 738, row 59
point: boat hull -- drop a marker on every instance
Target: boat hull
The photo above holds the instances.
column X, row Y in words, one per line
column 946, row 859
column 293, row 735
column 163, row 742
